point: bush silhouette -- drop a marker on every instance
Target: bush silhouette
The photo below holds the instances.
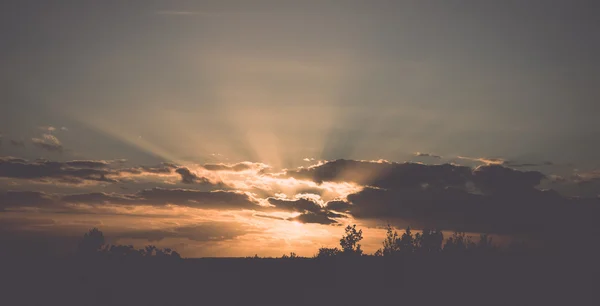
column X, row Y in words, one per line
column 328, row 252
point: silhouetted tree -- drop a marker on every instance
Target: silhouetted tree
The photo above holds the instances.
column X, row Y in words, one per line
column 391, row 244
column 328, row 252
column 349, row 241
column 291, row 256
column 459, row 242
column 120, row 251
column 91, row 243
column 149, row 250
column 407, row 242
column 485, row 244
column 429, row 241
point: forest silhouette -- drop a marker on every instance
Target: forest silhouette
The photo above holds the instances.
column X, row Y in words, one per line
column 426, row 242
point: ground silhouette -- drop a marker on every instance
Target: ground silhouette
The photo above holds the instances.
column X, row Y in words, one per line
column 417, row 269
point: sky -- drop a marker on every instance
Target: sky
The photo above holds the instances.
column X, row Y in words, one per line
column 229, row 128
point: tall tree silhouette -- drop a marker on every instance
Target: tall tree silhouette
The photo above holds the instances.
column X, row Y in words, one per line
column 92, row 242
column 391, row 244
column 349, row 241
column 407, row 242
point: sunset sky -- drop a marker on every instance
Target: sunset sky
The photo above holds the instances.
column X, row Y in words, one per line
column 234, row 128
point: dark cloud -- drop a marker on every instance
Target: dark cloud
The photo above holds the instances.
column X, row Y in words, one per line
column 12, row 199
column 43, row 170
column 295, row 205
column 489, row 178
column 513, row 164
column 338, row 205
column 490, row 198
column 312, row 217
column 200, row 199
column 420, row 154
column 74, row 172
column 162, row 196
column 311, row 211
column 496, row 178
column 87, row 164
column 187, row 177
column 523, row 165
column 526, row 211
column 385, row 174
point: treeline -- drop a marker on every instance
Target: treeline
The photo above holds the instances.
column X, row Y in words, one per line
column 427, row 241
column 93, row 244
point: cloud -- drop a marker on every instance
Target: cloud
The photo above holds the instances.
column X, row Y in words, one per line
column 533, row 212
column 75, row 172
column 25, row 199
column 496, row 179
column 299, row 205
column 513, row 164
column 489, row 198
column 187, row 177
column 384, row 174
column 421, row 154
column 311, row 212
column 320, row 217
column 338, row 205
column 88, row 171
column 163, row 196
column 87, row 164
column 492, row 178
column 48, row 142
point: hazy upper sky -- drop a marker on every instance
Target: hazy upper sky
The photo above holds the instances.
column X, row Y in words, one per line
column 277, row 82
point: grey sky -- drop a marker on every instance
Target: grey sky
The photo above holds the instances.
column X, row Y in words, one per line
column 278, row 81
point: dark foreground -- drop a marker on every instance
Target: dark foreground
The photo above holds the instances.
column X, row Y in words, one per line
column 494, row 280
